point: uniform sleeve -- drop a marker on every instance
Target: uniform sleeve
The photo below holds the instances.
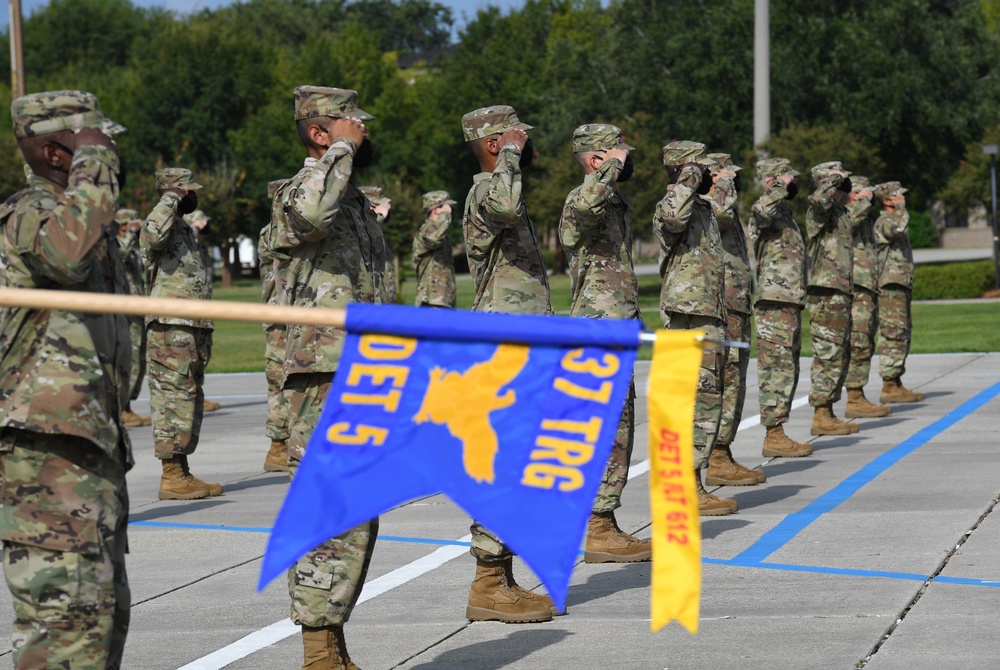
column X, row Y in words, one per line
column 723, row 201
column 765, row 211
column 857, row 211
column 314, row 204
column 674, row 211
column 501, row 207
column 434, row 230
column 821, row 202
column 892, row 226
column 157, row 226
column 589, row 203
column 60, row 243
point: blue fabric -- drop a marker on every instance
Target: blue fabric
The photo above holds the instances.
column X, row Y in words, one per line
column 518, row 436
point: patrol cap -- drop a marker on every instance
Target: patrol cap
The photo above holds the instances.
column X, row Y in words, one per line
column 889, row 188
column 823, row 170
column 860, row 183
column 598, row 137
column 52, row 111
column 175, row 178
column 435, row 198
column 123, row 216
column 708, row 162
column 374, row 194
column 487, row 121
column 724, row 161
column 316, row 101
column 684, row 151
column 273, row 186
column 775, row 167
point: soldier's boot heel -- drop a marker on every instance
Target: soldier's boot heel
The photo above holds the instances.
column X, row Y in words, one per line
column 214, row 488
column 825, row 423
column 319, row 649
column 174, row 485
column 779, row 445
column 723, row 470
column 277, row 457
column 339, row 645
column 607, row 543
column 859, row 407
column 893, row 392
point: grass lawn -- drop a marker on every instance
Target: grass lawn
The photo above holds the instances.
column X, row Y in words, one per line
column 943, row 328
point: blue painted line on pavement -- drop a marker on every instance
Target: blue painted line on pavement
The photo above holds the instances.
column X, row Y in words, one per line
column 849, row 572
column 795, row 523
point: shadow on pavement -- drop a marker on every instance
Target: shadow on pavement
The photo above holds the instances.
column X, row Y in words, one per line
column 264, row 479
column 786, row 466
column 828, row 442
column 495, row 654
column 161, row 511
column 763, row 495
column 869, row 424
column 713, row 527
column 610, row 580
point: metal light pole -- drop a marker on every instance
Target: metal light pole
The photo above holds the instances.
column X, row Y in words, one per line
column 761, row 72
column 991, row 151
column 16, row 51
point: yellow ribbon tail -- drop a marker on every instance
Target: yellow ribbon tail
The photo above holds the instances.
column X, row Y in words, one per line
column 673, row 383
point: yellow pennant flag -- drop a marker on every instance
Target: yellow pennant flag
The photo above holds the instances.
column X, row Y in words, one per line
column 673, row 382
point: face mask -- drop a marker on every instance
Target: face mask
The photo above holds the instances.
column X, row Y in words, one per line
column 793, row 190
column 845, row 185
column 527, row 154
column 706, row 183
column 188, row 203
column 626, row 171
column 365, row 154
column 737, row 184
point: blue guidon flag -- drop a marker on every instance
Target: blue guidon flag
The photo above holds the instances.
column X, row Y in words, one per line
column 512, row 417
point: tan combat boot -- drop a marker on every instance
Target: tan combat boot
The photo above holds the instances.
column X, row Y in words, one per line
column 175, row 485
column 277, row 457
column 495, row 596
column 340, row 646
column 710, row 505
column 826, row 423
column 214, row 488
column 319, row 651
column 133, row 420
column 893, row 392
column 859, row 407
column 607, row 543
column 779, row 445
column 723, row 470
column 211, row 405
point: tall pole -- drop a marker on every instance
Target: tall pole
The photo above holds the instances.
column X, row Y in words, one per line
column 16, row 51
column 761, row 72
column 991, row 149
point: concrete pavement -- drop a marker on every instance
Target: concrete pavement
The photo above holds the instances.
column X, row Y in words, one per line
column 881, row 546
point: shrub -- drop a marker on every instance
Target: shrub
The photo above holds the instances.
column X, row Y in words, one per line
column 952, row 280
column 923, row 234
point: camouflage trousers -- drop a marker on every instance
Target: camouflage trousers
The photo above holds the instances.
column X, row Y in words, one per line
column 276, row 424
column 708, row 402
column 178, row 356
column 894, row 330
column 830, row 320
column 609, row 494
column 325, row 584
column 864, row 322
column 779, row 345
column 734, row 378
column 64, row 519
column 137, row 331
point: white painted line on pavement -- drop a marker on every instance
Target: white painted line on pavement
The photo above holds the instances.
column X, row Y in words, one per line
column 279, row 630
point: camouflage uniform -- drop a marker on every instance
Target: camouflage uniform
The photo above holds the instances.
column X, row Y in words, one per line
column 736, row 260
column 693, row 292
column 64, row 379
column 864, row 307
column 596, row 231
column 337, row 255
column 432, row 258
column 276, row 425
column 831, row 264
column 178, row 349
column 376, row 197
column 128, row 247
column 504, row 257
column 780, row 254
column 895, row 284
